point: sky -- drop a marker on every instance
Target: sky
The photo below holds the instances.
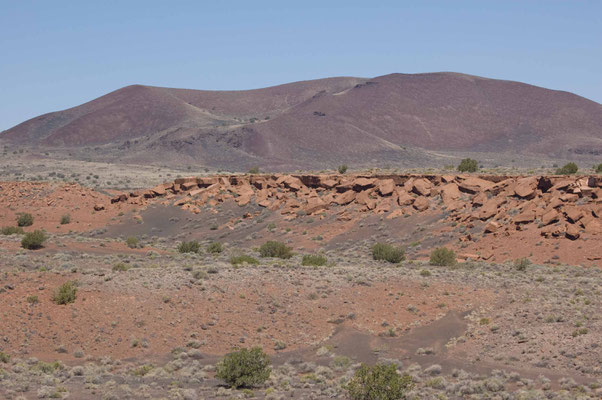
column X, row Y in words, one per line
column 58, row 54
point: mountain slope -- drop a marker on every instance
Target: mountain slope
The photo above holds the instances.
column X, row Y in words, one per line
column 314, row 123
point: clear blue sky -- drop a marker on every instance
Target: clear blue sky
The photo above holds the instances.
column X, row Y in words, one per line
column 58, row 54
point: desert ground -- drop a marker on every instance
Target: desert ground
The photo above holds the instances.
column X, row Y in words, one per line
column 518, row 316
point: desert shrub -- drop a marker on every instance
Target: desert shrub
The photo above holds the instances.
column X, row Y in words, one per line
column 65, row 219
column 568, row 169
column 215, row 248
column 521, row 264
column 342, row 169
column 24, row 219
column 33, row 299
column 316, row 260
column 254, row 170
column 379, row 382
column 387, row 252
column 65, row 293
column 244, row 368
column 132, row 242
column 236, row 260
column 33, row 240
column 189, row 247
column 274, row 248
column 598, row 168
column 442, row 257
column 12, row 230
column 121, row 267
column 468, row 165
column 4, row 358
column 48, row 367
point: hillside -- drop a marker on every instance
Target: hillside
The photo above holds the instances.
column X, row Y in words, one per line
column 312, row 124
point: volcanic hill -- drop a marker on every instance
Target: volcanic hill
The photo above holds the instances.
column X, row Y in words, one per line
column 321, row 123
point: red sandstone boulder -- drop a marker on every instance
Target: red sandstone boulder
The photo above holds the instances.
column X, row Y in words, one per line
column 422, row 187
column 421, row 204
column 385, row 187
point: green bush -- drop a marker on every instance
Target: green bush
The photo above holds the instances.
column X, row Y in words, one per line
column 244, row 368
column 521, row 264
column 468, row 165
column 4, row 358
column 316, row 260
column 342, row 169
column 48, row 367
column 24, row 219
column 387, row 252
column 65, row 219
column 236, row 260
column 121, row 267
column 132, row 242
column 189, row 247
column 254, row 170
column 442, row 257
column 12, row 230
column 273, row 248
column 598, row 168
column 33, row 240
column 379, row 382
column 568, row 169
column 215, row 248
column 65, row 293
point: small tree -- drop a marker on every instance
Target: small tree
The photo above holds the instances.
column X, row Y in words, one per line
column 33, row 240
column 189, row 247
column 65, row 219
column 24, row 219
column 568, row 169
column 468, row 165
column 598, row 168
column 379, row 382
column 342, row 169
column 244, row 368
column 274, row 248
column 65, row 294
column 387, row 252
column 442, row 257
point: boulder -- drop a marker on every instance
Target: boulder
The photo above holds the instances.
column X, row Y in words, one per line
column 524, row 218
column 361, row 184
column 99, row 207
column 473, row 185
column 189, row 185
column 573, row 214
column 119, row 198
column 365, row 199
column 403, row 197
column 526, row 188
column 385, row 187
column 572, row 232
column 479, row 199
column 449, row 193
column 290, row 182
column 550, row 217
column 421, row 204
column 492, row 227
column 344, row 198
column 315, row 204
column 422, row 187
